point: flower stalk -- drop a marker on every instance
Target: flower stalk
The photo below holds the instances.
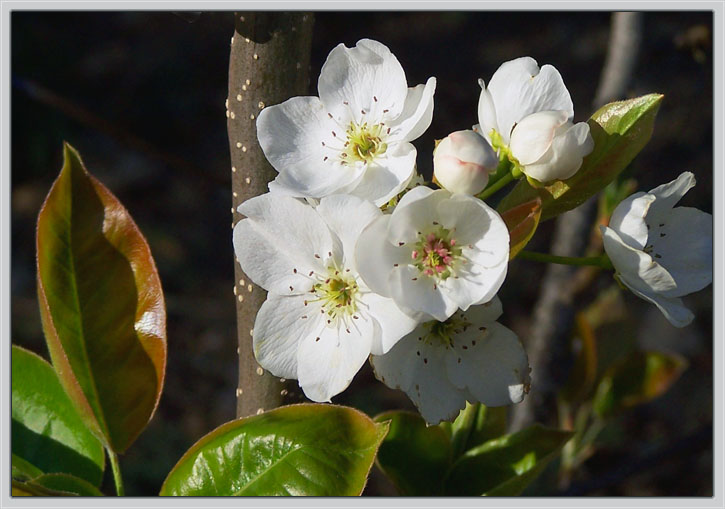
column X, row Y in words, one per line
column 601, row 261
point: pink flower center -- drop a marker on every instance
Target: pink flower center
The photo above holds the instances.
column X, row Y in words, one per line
column 436, row 253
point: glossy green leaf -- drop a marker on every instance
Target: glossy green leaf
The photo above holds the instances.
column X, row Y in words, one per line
column 55, row 485
column 522, row 221
column 23, row 470
column 101, row 305
column 506, row 465
column 48, row 435
column 306, row 449
column 413, row 455
column 639, row 378
column 490, row 423
column 620, row 130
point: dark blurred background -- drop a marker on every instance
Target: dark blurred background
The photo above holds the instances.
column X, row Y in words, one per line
column 141, row 96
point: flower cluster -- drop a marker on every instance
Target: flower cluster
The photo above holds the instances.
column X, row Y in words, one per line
column 362, row 262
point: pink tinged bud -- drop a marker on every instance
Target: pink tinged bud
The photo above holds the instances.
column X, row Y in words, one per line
column 463, row 161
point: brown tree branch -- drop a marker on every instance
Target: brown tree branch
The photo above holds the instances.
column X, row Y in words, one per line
column 554, row 312
column 268, row 63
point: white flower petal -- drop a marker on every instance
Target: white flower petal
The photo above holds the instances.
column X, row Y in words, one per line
column 533, row 135
column 415, row 292
column 394, row 324
column 347, row 216
column 475, row 224
column 483, row 313
column 636, row 268
column 291, row 135
column 672, row 307
column 518, row 88
column 417, row 113
column 387, row 175
column 565, row 156
column 375, row 257
column 486, row 113
column 669, row 194
column 490, row 361
column 685, row 245
column 628, row 219
column 326, row 366
column 367, row 77
column 278, row 330
column 419, row 369
column 474, row 284
column 278, row 242
column 416, row 212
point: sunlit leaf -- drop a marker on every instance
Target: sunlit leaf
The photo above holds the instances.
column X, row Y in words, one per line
column 48, row 435
column 521, row 222
column 101, row 305
column 620, row 131
column 413, row 455
column 506, row 465
column 639, row 378
column 57, row 485
column 307, row 449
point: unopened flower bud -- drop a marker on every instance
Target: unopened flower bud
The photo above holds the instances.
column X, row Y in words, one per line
column 548, row 146
column 463, row 161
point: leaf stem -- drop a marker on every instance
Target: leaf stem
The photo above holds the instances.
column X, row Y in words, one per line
column 116, row 473
column 601, row 261
column 462, row 427
column 496, row 186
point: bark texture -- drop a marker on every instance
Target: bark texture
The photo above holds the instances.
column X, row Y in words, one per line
column 269, row 63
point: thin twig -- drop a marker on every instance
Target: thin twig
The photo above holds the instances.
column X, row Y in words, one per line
column 553, row 313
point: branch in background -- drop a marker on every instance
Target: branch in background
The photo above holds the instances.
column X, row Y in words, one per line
column 268, row 63
column 554, row 313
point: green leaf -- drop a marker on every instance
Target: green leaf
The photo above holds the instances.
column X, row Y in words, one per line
column 306, row 449
column 522, row 221
column 23, row 470
column 48, row 435
column 506, row 465
column 55, row 485
column 490, row 423
column 101, row 305
column 620, row 130
column 639, row 378
column 413, row 455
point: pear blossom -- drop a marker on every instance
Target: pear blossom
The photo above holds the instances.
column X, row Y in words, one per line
column 463, row 161
column 469, row 357
column 548, row 146
column 661, row 252
column 545, row 146
column 354, row 138
column 320, row 321
column 437, row 252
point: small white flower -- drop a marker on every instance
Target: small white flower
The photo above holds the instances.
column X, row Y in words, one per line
column 355, row 137
column 526, row 113
column 469, row 357
column 463, row 161
column 437, row 252
column 516, row 90
column 659, row 252
column 320, row 322
column 549, row 146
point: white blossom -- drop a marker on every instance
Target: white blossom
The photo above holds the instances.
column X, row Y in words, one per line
column 463, row 161
column 548, row 146
column 526, row 113
column 469, row 357
column 659, row 251
column 355, row 137
column 320, row 322
column 437, row 252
